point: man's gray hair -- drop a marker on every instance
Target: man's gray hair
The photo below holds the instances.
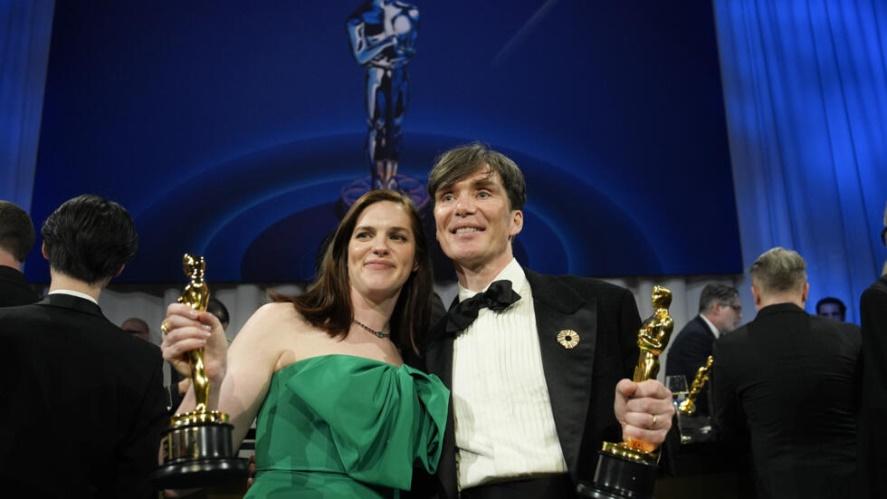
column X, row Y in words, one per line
column 779, row 270
column 717, row 294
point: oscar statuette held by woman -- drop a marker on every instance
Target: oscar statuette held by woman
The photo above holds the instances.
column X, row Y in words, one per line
column 197, row 449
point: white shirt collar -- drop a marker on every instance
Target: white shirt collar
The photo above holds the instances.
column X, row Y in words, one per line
column 711, row 326
column 512, row 272
column 78, row 294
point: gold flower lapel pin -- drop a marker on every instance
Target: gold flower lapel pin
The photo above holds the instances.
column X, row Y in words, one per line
column 568, row 338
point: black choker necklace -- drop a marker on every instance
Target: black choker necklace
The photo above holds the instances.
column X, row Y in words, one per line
column 380, row 334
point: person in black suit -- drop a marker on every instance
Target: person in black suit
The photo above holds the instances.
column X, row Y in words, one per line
column 790, row 381
column 532, row 382
column 16, row 241
column 83, row 403
column 873, row 411
column 719, row 313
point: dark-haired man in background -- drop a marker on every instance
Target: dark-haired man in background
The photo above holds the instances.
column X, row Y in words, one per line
column 16, row 240
column 719, row 313
column 83, row 403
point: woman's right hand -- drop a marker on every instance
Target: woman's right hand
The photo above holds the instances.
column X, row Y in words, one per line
column 186, row 330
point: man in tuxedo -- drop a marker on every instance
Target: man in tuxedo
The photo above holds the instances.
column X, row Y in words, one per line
column 719, row 313
column 83, row 402
column 533, row 376
column 873, row 411
column 16, row 240
column 790, row 381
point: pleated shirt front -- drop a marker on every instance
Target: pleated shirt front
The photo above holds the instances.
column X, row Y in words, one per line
column 503, row 420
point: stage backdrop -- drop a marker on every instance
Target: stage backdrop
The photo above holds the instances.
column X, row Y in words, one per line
column 233, row 130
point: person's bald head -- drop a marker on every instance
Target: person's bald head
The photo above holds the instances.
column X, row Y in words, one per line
column 137, row 327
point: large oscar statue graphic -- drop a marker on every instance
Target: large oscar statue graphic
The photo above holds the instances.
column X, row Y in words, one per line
column 628, row 469
column 197, row 449
column 383, row 37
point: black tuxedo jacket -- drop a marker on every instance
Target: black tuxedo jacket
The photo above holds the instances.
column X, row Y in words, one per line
column 688, row 352
column 14, row 289
column 581, row 381
column 82, row 403
column 790, row 380
column 872, row 433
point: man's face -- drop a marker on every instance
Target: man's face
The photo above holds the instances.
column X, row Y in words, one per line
column 727, row 316
column 475, row 222
column 830, row 310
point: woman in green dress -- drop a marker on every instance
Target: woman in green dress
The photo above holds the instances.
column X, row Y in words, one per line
column 339, row 413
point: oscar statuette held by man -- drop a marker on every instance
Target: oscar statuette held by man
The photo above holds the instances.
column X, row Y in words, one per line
column 627, row 470
column 196, row 450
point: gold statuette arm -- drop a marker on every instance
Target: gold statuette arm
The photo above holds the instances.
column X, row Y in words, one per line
column 653, row 336
column 652, row 339
column 688, row 406
column 196, row 295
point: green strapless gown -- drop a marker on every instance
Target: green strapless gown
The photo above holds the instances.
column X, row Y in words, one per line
column 340, row 426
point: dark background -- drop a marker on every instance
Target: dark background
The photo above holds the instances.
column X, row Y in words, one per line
column 230, row 130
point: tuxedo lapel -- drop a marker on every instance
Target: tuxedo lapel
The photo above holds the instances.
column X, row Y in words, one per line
column 568, row 371
column 439, row 361
column 439, row 354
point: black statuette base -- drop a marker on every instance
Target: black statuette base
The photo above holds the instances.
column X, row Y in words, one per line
column 198, row 455
column 200, row 473
column 617, row 478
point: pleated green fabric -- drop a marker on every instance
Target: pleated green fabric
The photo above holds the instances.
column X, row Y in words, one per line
column 344, row 426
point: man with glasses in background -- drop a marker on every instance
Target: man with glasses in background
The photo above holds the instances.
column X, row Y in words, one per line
column 719, row 313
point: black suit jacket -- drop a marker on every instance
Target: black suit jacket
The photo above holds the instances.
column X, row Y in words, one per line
column 14, row 289
column 872, row 433
column 82, row 403
column 790, row 380
column 581, row 381
column 688, row 352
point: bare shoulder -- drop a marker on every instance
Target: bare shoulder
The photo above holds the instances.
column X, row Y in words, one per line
column 276, row 311
column 267, row 321
column 279, row 319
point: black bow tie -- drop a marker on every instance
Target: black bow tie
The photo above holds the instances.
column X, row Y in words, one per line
column 497, row 297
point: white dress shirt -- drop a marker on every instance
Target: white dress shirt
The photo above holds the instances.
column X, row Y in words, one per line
column 78, row 294
column 711, row 326
column 503, row 421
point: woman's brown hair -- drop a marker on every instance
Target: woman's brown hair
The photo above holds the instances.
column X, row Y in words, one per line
column 326, row 304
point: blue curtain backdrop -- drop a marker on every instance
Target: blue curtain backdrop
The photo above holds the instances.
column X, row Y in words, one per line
column 25, row 32
column 805, row 86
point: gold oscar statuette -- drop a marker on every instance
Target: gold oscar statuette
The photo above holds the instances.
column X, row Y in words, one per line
column 197, row 448
column 688, row 406
column 627, row 469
